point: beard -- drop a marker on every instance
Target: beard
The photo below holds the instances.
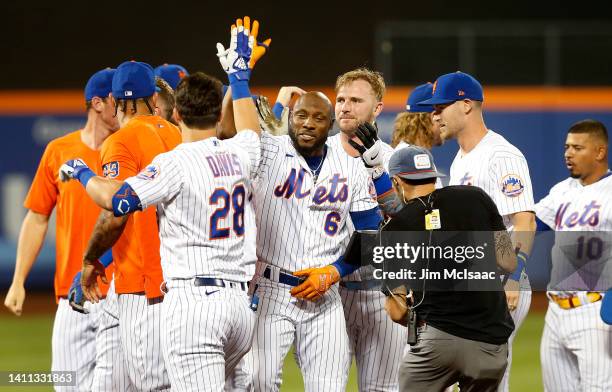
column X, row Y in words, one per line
column 309, row 150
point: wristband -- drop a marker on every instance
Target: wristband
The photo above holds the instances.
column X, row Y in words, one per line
column 107, row 258
column 383, row 183
column 84, row 175
column 343, row 267
column 240, row 89
column 277, row 109
column 521, row 259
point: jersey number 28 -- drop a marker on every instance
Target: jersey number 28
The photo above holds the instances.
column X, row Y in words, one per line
column 224, row 201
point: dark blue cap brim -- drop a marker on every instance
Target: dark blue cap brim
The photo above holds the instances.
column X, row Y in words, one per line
column 418, row 108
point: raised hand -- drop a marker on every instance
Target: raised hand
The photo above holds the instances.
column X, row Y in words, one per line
column 259, row 48
column 235, row 59
column 371, row 150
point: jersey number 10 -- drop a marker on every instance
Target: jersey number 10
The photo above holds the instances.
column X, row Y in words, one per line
column 224, row 201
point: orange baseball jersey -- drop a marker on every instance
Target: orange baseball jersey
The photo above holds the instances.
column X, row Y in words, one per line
column 76, row 212
column 171, row 136
column 125, row 154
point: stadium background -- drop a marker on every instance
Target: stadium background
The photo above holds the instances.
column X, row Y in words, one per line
column 541, row 73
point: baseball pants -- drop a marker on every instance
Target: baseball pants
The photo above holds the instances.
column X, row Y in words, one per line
column 576, row 350
column 375, row 340
column 518, row 316
column 73, row 344
column 241, row 379
column 110, row 373
column 317, row 329
column 206, row 331
column 140, row 323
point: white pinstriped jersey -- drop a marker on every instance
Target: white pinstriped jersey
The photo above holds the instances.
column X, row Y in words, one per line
column 572, row 207
column 302, row 220
column 546, row 209
column 335, row 141
column 200, row 189
column 249, row 258
column 498, row 168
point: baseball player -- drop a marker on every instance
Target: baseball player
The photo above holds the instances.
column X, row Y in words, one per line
column 305, row 189
column 576, row 349
column 415, row 125
column 73, row 341
column 165, row 100
column 135, row 240
column 171, row 74
column 207, row 322
column 487, row 160
column 375, row 340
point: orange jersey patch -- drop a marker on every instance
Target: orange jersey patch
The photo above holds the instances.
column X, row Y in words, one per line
column 76, row 213
column 124, row 154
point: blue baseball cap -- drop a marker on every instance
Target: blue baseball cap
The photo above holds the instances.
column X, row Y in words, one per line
column 171, row 73
column 419, row 94
column 133, row 80
column 453, row 87
column 413, row 163
column 99, row 84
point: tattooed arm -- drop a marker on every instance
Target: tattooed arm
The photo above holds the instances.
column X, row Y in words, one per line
column 506, row 257
column 106, row 232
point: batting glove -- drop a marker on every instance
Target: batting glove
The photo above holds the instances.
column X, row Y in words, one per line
column 76, row 298
column 371, row 150
column 72, row 169
column 259, row 48
column 267, row 119
column 235, row 59
column 318, row 281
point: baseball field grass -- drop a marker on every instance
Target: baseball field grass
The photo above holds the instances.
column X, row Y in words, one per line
column 25, row 345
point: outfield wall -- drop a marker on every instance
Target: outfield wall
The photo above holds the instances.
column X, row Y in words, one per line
column 533, row 119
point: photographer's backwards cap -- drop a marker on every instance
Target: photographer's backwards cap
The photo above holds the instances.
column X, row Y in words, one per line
column 413, row 163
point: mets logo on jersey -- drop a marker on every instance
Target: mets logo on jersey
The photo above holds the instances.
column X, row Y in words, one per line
column 512, row 185
column 149, row 173
column 111, row 169
column 466, row 179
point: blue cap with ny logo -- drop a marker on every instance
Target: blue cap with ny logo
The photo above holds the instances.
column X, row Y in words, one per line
column 453, row 87
column 133, row 80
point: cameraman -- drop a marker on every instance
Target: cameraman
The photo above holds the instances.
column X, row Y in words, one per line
column 461, row 335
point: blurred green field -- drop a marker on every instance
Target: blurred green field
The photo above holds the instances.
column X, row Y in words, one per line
column 25, row 344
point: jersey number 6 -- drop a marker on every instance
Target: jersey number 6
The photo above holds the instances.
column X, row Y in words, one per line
column 236, row 202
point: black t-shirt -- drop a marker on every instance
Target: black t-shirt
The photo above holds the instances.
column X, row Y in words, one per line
column 475, row 315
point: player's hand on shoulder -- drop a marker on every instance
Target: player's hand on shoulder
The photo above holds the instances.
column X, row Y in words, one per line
column 15, row 298
column 235, row 59
column 371, row 149
column 318, row 281
column 71, row 169
column 76, row 298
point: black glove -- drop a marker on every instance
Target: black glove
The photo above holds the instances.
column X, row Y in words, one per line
column 371, row 150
